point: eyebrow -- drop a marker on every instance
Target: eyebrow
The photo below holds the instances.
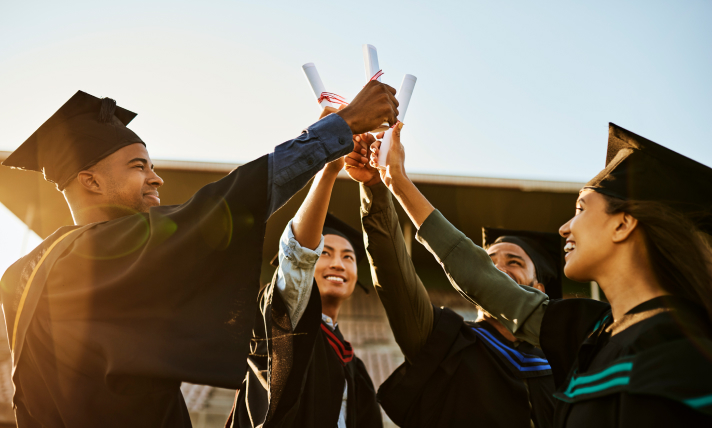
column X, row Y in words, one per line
column 142, row 160
column 343, row 251
column 510, row 255
column 581, row 200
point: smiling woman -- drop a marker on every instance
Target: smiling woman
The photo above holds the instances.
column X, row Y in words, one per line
column 641, row 232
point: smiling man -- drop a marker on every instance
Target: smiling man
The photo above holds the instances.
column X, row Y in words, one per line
column 106, row 318
column 303, row 373
column 457, row 373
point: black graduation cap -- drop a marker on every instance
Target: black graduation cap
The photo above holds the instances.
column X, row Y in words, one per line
column 83, row 131
column 334, row 226
column 639, row 169
column 544, row 248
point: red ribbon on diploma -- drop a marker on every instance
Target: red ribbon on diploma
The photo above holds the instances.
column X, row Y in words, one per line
column 332, row 98
column 377, row 75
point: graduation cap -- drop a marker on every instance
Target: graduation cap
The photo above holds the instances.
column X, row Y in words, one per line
column 83, row 131
column 639, row 169
column 334, row 226
column 545, row 249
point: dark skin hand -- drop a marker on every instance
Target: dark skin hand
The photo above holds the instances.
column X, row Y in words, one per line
column 372, row 106
column 358, row 157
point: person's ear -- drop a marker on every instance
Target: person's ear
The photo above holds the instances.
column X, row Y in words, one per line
column 539, row 286
column 625, row 226
column 89, row 181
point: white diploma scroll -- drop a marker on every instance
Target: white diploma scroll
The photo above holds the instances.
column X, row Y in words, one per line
column 403, row 97
column 370, row 61
column 317, row 85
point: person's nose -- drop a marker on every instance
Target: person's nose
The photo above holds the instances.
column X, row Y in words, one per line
column 565, row 229
column 154, row 180
column 337, row 264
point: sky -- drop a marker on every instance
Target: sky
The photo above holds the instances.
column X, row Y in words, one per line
column 514, row 89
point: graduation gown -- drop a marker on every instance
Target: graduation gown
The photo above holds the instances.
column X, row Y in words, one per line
column 135, row 305
column 654, row 373
column 469, row 375
column 296, row 378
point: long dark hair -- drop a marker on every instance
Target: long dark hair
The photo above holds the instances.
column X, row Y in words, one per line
column 680, row 254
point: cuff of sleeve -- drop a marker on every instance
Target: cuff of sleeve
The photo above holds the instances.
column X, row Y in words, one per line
column 374, row 199
column 438, row 235
column 298, row 256
column 335, row 133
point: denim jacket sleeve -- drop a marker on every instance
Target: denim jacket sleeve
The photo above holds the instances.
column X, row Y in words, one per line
column 295, row 162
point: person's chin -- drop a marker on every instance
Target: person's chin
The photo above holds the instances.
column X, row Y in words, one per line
column 151, row 200
column 334, row 291
column 575, row 272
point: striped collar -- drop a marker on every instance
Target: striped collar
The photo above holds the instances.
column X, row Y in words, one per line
column 521, row 364
column 341, row 347
column 608, row 380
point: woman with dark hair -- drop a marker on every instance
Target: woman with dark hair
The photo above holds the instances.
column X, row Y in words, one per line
column 641, row 230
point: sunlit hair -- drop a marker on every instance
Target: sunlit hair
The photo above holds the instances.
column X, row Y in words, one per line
column 680, row 254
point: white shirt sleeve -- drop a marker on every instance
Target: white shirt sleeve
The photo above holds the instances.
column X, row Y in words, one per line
column 295, row 274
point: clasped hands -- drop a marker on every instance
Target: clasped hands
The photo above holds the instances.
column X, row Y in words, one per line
column 365, row 170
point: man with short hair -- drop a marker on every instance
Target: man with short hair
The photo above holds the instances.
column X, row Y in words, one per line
column 457, row 373
column 302, row 371
column 106, row 318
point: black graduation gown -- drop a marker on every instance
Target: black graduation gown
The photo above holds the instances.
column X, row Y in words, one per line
column 468, row 375
column 305, row 370
column 136, row 305
column 655, row 373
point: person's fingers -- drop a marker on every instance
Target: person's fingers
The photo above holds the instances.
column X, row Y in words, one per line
column 375, row 145
column 380, row 135
column 361, row 142
column 393, row 100
column 353, row 163
column 390, row 89
column 368, row 138
column 357, row 157
column 393, row 117
column 397, row 131
column 342, row 106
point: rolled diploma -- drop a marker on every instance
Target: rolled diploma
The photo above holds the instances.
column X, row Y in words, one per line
column 403, row 97
column 316, row 84
column 370, row 60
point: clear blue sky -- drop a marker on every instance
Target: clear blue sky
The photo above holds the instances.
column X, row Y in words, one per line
column 505, row 89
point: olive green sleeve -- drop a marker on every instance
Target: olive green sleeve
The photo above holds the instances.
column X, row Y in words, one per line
column 470, row 270
column 402, row 294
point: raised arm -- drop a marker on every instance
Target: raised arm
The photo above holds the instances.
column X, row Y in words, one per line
column 469, row 267
column 402, row 294
column 294, row 163
column 407, row 304
column 301, row 244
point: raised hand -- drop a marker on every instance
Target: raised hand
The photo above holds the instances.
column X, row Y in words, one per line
column 360, row 171
column 372, row 106
column 395, row 162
